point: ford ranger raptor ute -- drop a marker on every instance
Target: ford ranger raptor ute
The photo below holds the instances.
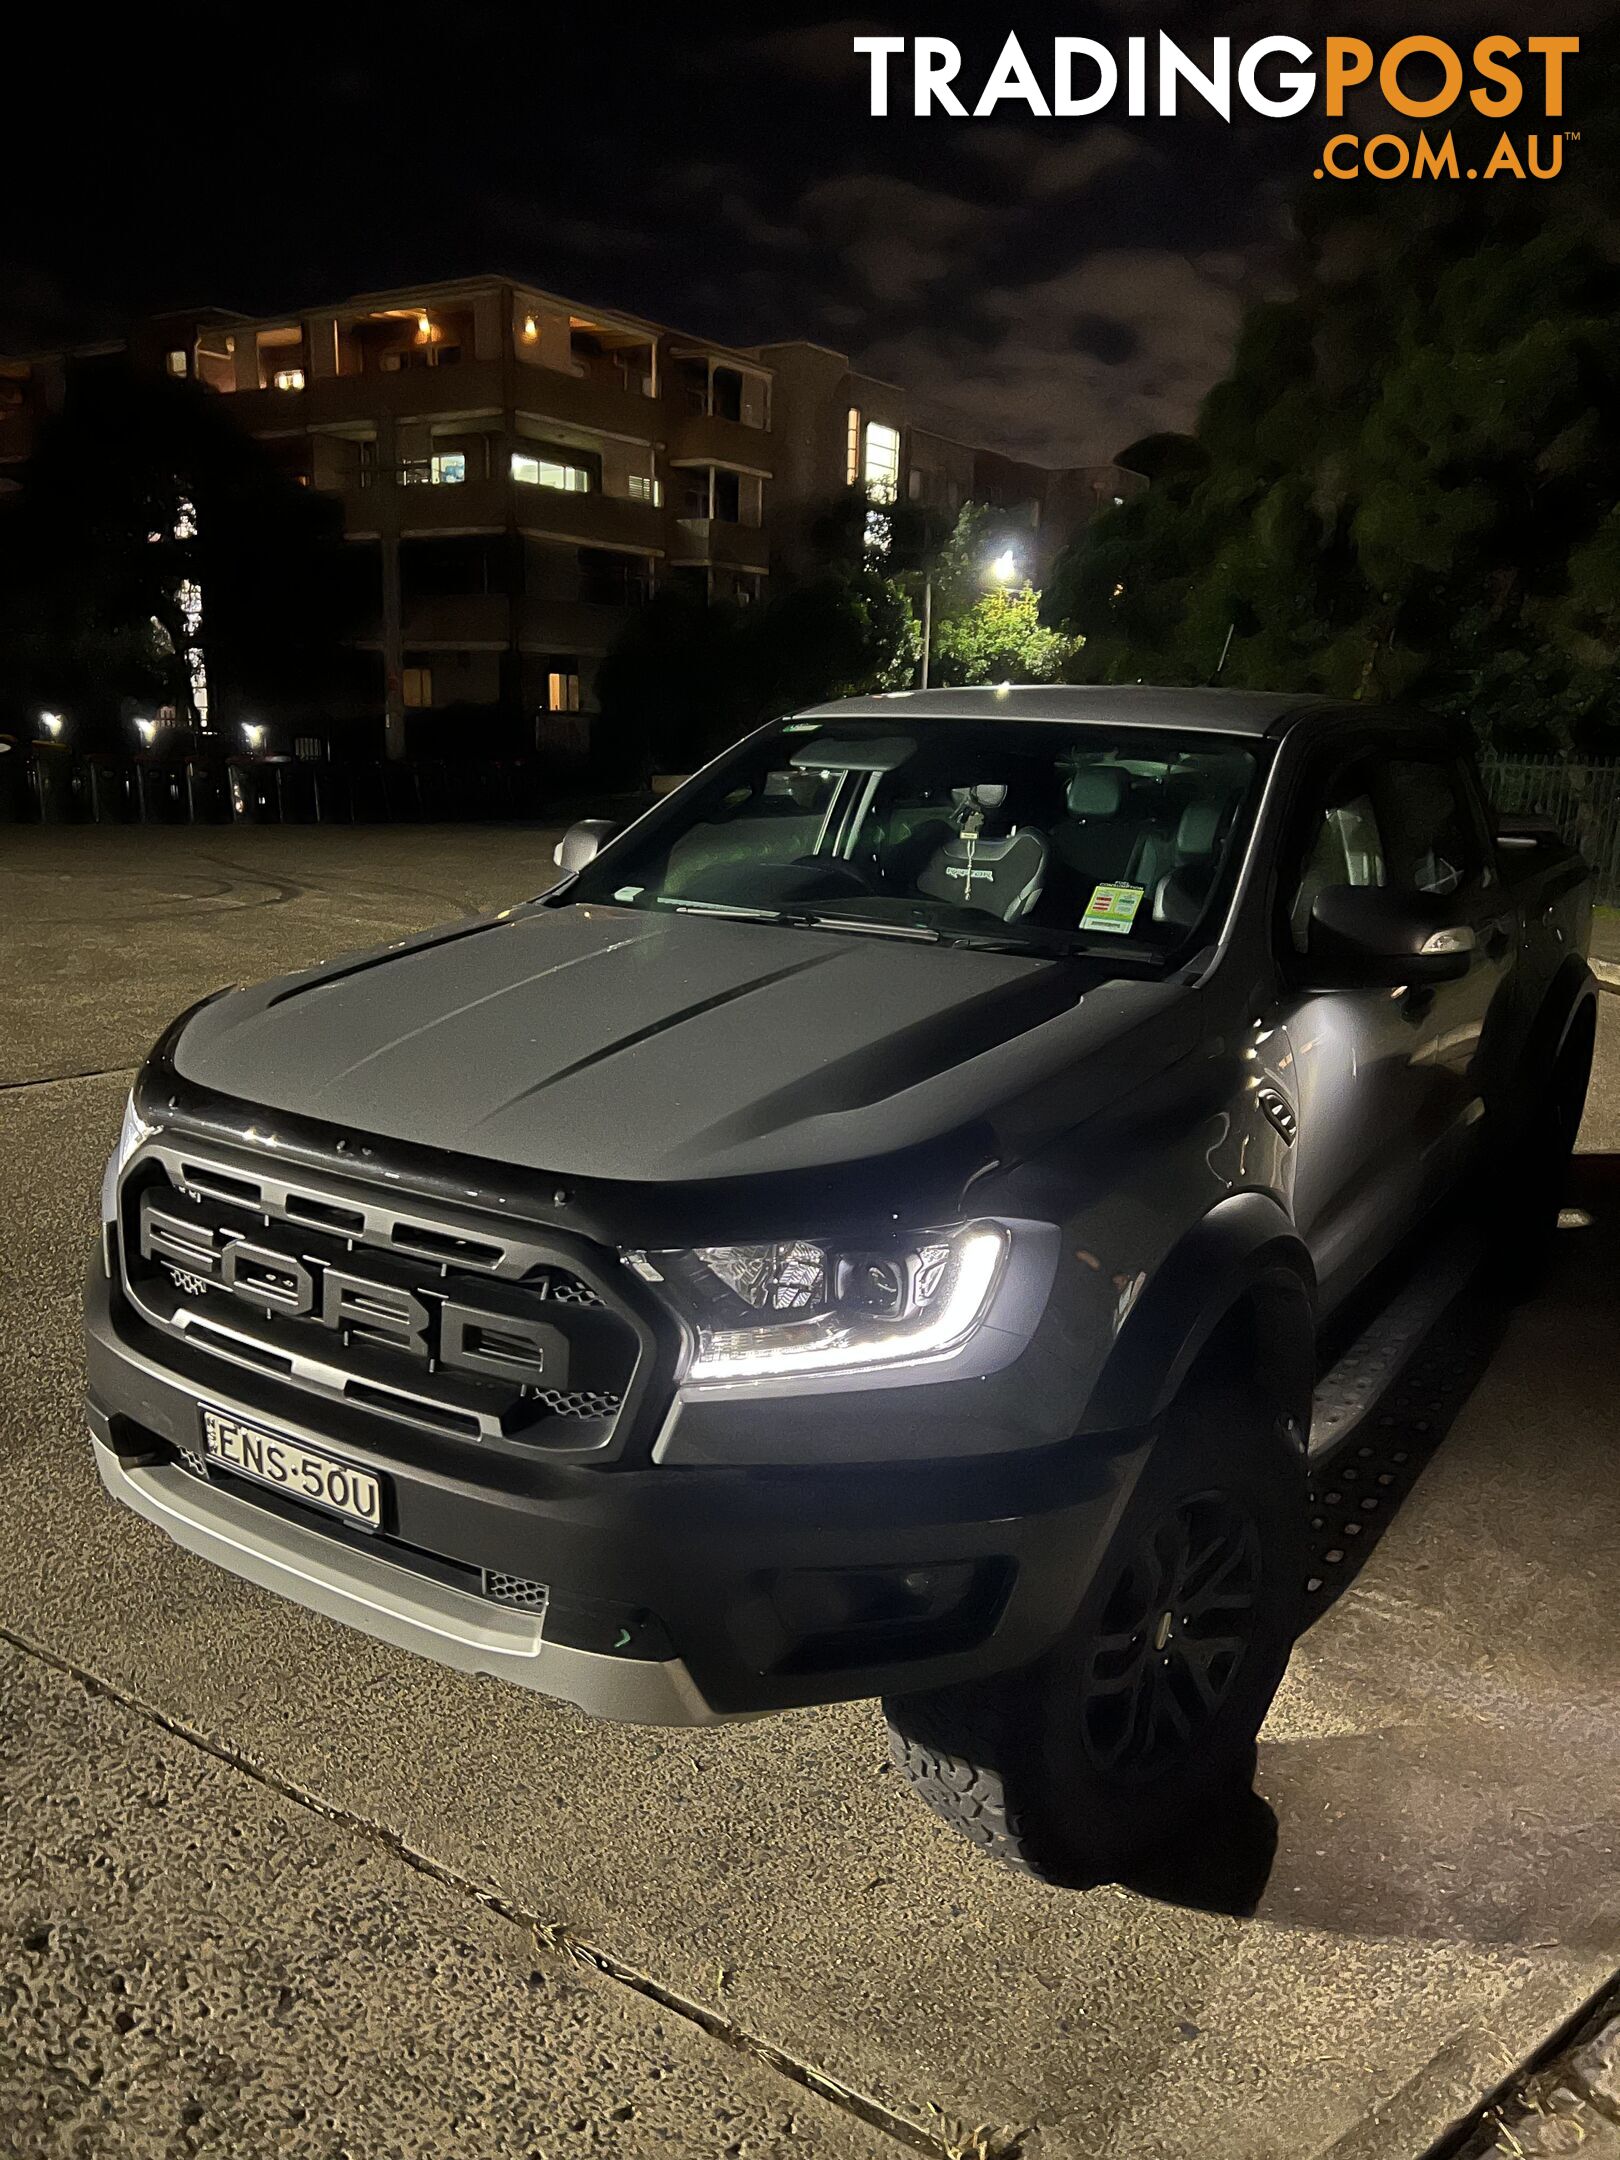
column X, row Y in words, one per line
column 880, row 1225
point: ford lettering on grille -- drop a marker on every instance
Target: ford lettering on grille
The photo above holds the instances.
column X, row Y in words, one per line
column 450, row 1331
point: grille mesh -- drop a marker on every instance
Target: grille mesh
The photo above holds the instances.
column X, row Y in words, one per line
column 579, row 1405
column 514, row 1589
column 566, row 1290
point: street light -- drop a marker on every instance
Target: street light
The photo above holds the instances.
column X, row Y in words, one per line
column 51, row 722
column 147, row 731
column 254, row 733
column 1001, row 570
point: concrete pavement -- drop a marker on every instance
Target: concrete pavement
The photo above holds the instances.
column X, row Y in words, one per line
column 1433, row 1865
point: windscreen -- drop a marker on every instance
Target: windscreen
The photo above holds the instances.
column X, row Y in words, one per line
column 1035, row 833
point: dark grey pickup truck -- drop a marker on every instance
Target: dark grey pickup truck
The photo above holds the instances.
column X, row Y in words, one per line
column 872, row 1228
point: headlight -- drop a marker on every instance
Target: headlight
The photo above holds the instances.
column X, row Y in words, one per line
column 135, row 1129
column 795, row 1307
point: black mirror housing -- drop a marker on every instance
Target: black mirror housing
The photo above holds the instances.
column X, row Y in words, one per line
column 582, row 843
column 1366, row 937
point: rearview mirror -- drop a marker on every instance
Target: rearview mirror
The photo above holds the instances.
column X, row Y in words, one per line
column 582, row 843
column 1362, row 937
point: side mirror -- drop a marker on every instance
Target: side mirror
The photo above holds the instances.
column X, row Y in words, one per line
column 1364, row 938
column 582, row 843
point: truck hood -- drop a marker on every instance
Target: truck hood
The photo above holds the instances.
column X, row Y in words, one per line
column 607, row 1043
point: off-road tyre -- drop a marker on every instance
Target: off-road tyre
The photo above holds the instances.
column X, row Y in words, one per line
column 1013, row 1762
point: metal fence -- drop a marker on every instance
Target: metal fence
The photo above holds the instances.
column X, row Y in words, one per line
column 1583, row 801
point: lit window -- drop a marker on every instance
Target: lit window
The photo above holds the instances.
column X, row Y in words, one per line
column 852, row 452
column 289, row 378
column 449, row 468
column 644, row 488
column 562, row 692
column 178, row 362
column 546, row 472
column 416, row 684
column 882, row 471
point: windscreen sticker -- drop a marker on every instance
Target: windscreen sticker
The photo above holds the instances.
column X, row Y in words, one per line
column 1112, row 908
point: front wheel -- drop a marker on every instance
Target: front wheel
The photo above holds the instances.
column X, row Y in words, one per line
column 1091, row 1758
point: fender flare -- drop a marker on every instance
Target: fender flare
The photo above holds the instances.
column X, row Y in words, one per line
column 1245, row 1245
column 1573, row 991
column 1570, row 1001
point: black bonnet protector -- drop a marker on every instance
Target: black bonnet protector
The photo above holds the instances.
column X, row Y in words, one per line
column 920, row 1183
column 605, row 1047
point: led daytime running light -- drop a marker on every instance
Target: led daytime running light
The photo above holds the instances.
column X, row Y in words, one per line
column 838, row 1342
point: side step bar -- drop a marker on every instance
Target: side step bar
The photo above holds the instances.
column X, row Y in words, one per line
column 1361, row 1379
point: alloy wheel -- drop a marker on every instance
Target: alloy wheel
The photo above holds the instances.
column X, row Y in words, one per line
column 1172, row 1638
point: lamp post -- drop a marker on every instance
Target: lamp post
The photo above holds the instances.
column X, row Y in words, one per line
column 1001, row 571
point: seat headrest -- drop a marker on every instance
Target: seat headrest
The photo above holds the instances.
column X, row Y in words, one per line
column 1097, row 791
column 1200, row 828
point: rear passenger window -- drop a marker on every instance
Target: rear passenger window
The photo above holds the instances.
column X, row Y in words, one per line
column 1432, row 836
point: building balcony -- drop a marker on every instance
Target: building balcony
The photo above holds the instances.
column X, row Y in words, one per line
column 459, row 620
column 417, row 507
column 584, row 401
column 568, row 626
column 594, row 520
column 16, row 435
column 713, row 540
column 706, row 439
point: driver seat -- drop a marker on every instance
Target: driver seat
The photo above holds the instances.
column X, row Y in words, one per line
column 1001, row 874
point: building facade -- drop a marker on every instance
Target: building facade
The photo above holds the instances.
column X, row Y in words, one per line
column 527, row 469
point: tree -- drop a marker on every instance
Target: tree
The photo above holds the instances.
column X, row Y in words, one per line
column 1405, row 485
column 980, row 635
column 686, row 677
column 156, row 552
column 1000, row 638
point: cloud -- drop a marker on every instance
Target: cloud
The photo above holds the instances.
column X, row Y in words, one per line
column 1043, row 168
column 1070, row 369
column 758, row 229
column 898, row 238
column 819, row 53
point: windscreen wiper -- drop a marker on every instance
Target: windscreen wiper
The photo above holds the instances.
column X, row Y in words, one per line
column 814, row 920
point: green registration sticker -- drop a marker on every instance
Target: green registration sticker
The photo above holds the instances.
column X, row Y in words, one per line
column 1112, row 908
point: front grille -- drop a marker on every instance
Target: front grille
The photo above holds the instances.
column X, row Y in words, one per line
column 477, row 1330
column 515, row 1590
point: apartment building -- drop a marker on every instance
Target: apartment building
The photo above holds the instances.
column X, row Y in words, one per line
column 526, row 469
column 841, row 428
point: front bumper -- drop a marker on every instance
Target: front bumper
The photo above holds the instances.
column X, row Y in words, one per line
column 399, row 1604
column 672, row 1594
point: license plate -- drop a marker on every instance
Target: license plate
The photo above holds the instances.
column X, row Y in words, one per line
column 292, row 1468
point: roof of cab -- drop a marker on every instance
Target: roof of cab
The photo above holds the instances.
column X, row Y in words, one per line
column 1217, row 712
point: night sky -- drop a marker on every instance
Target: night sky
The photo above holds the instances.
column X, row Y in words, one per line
column 1055, row 288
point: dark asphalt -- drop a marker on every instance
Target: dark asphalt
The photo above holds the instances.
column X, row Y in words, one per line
column 266, row 1887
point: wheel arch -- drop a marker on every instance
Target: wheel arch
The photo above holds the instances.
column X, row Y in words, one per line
column 1569, row 1005
column 1239, row 1285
